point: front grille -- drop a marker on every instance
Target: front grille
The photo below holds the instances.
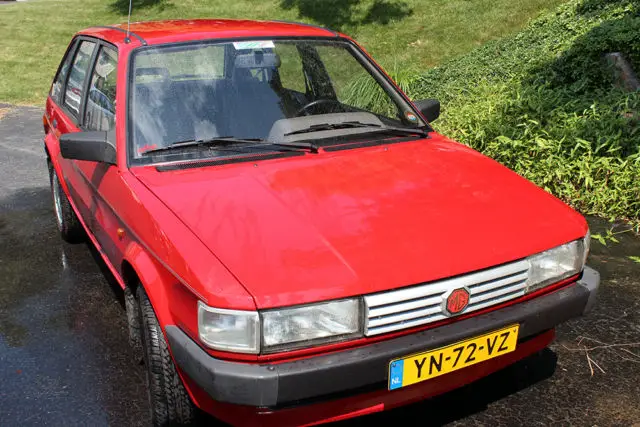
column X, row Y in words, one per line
column 422, row 304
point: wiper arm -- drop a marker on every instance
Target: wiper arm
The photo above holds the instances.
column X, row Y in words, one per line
column 403, row 131
column 220, row 140
column 297, row 145
column 332, row 126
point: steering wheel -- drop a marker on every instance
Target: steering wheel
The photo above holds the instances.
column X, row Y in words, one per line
column 314, row 104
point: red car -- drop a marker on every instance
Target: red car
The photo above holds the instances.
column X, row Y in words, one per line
column 294, row 249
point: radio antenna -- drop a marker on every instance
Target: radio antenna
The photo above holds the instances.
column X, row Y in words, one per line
column 127, row 39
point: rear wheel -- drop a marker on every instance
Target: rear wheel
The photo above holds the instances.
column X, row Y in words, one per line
column 66, row 219
column 170, row 402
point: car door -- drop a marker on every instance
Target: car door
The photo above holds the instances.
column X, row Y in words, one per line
column 83, row 98
column 63, row 111
column 67, row 117
column 102, row 181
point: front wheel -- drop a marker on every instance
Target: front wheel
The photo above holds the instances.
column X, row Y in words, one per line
column 66, row 219
column 170, row 402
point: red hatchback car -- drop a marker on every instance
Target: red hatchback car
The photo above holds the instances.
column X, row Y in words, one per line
column 291, row 252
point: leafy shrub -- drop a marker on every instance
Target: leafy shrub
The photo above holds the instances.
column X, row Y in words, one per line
column 543, row 103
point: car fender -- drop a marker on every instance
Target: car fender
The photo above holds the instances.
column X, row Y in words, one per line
column 156, row 282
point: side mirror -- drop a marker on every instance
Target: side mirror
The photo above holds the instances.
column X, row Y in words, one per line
column 430, row 108
column 94, row 146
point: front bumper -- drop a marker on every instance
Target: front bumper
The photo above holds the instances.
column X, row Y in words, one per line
column 277, row 385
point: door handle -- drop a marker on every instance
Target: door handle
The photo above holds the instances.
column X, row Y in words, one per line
column 54, row 123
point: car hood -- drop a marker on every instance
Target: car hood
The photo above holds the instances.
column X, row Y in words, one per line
column 322, row 226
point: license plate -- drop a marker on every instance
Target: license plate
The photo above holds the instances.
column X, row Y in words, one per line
column 424, row 366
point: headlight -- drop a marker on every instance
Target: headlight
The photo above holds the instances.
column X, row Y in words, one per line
column 282, row 329
column 229, row 330
column 557, row 264
column 310, row 325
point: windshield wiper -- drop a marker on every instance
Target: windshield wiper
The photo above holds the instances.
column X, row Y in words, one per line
column 356, row 124
column 332, row 126
column 221, row 140
column 226, row 140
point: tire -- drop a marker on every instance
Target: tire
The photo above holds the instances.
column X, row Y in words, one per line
column 170, row 402
column 133, row 323
column 68, row 223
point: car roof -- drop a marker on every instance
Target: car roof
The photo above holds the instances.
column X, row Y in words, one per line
column 183, row 30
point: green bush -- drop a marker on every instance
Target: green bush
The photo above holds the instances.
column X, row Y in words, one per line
column 543, row 103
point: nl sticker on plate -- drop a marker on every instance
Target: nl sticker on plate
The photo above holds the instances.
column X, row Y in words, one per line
column 255, row 44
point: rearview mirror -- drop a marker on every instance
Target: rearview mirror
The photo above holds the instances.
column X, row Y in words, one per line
column 430, row 108
column 94, row 146
column 257, row 59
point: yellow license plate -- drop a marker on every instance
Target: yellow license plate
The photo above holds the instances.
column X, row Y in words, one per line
column 424, row 366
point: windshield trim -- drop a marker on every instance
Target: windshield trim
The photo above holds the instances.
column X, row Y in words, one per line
column 363, row 58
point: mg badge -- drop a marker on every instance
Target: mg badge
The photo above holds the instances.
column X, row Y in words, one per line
column 457, row 301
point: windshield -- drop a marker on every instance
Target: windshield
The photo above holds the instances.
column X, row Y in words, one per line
column 201, row 91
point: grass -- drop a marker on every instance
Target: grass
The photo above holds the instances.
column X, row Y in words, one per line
column 544, row 103
column 402, row 34
column 539, row 99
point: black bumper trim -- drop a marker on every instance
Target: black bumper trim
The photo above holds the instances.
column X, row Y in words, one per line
column 271, row 385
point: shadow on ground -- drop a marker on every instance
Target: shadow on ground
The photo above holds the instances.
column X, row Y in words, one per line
column 339, row 14
column 471, row 399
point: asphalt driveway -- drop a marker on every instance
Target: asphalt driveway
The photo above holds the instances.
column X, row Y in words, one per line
column 65, row 360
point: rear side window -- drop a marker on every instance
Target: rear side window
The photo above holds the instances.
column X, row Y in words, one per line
column 100, row 109
column 77, row 73
column 291, row 70
column 56, row 87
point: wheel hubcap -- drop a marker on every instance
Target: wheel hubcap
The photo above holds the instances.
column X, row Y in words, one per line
column 57, row 204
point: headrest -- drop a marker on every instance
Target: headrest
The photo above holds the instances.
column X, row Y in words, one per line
column 160, row 72
column 257, row 59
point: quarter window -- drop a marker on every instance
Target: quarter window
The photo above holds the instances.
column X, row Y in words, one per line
column 100, row 109
column 75, row 83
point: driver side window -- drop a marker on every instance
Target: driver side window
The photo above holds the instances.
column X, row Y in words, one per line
column 100, row 110
column 291, row 70
column 75, row 81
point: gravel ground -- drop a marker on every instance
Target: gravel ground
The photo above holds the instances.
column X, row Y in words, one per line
column 65, row 360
